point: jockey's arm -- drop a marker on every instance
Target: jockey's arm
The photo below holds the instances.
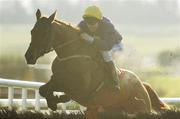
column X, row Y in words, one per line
column 110, row 37
column 106, row 41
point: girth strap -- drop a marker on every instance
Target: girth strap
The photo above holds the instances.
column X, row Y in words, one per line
column 73, row 56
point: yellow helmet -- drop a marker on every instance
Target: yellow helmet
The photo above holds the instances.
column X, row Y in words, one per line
column 93, row 11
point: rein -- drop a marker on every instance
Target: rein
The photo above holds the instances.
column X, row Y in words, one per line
column 73, row 57
column 65, row 44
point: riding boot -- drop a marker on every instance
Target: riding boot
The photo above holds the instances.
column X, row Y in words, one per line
column 113, row 80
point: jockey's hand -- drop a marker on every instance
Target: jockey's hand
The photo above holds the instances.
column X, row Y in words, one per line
column 87, row 37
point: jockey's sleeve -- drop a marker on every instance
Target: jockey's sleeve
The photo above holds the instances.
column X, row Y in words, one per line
column 82, row 26
column 109, row 38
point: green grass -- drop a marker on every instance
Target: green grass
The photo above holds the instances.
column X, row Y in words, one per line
column 166, row 86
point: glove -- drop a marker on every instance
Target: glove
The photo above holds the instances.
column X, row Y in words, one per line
column 87, row 38
column 107, row 56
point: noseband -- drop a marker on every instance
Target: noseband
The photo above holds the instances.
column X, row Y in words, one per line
column 46, row 50
column 65, row 44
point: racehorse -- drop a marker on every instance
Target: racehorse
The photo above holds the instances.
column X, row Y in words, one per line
column 78, row 71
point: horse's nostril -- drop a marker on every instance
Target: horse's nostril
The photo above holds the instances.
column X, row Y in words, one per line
column 28, row 56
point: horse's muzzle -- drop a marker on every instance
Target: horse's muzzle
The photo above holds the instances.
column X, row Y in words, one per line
column 30, row 58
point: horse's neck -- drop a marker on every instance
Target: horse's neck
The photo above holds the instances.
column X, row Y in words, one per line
column 64, row 35
column 57, row 31
column 59, row 36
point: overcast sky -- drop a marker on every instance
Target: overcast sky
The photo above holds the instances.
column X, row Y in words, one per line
column 27, row 3
column 122, row 11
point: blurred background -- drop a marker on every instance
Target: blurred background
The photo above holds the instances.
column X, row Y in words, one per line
column 150, row 30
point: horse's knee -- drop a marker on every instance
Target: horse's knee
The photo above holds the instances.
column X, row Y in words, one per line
column 43, row 91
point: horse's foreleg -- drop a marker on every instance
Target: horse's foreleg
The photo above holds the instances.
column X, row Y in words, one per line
column 52, row 100
column 47, row 92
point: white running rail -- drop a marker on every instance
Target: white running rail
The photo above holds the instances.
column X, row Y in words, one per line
column 25, row 85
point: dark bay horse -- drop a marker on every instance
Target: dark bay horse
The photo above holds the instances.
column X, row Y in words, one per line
column 78, row 70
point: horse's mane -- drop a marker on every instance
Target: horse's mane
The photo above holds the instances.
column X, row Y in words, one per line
column 68, row 25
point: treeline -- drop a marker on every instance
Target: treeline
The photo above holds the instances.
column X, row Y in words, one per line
column 169, row 57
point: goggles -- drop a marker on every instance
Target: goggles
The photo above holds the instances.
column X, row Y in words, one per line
column 91, row 20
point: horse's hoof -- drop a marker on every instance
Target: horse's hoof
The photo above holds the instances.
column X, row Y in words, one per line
column 52, row 105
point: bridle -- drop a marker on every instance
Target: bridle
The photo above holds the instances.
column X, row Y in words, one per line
column 46, row 50
column 65, row 44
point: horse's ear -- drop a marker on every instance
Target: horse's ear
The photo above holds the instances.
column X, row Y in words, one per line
column 52, row 17
column 38, row 14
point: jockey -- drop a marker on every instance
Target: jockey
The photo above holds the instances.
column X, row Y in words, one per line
column 98, row 30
